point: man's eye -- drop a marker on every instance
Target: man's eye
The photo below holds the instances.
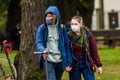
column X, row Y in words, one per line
column 74, row 24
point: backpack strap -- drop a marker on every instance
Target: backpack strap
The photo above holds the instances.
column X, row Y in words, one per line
column 88, row 35
column 62, row 25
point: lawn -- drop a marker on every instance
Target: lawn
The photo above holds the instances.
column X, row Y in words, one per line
column 5, row 64
column 111, row 64
column 11, row 56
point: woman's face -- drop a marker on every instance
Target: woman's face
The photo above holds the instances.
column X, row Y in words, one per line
column 75, row 25
column 75, row 22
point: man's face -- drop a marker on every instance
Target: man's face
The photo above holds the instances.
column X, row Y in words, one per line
column 52, row 16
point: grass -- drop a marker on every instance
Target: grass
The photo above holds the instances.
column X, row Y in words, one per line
column 11, row 56
column 111, row 64
column 5, row 64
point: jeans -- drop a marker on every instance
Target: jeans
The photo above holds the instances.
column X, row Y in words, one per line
column 81, row 68
column 54, row 70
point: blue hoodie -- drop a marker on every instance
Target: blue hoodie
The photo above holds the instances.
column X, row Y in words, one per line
column 63, row 43
column 54, row 10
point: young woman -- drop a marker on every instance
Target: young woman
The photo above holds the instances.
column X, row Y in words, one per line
column 84, row 51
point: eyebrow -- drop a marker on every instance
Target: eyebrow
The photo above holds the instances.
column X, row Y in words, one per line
column 73, row 23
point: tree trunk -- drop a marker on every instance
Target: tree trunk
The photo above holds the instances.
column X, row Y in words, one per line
column 26, row 61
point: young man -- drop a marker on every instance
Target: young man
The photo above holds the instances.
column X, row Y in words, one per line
column 52, row 39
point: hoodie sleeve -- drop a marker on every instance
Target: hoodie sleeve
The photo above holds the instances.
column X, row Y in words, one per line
column 39, row 43
column 67, row 48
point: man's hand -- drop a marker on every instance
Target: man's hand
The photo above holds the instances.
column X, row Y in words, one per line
column 45, row 55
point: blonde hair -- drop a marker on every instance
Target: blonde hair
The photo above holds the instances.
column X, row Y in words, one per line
column 78, row 18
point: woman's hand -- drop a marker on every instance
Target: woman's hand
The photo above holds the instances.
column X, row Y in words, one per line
column 99, row 70
column 67, row 69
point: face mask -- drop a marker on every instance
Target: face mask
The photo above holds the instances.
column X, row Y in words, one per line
column 49, row 20
column 75, row 28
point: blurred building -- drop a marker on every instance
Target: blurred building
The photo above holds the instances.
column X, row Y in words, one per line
column 106, row 15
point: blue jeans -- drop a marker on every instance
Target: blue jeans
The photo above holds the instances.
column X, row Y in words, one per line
column 81, row 68
column 54, row 70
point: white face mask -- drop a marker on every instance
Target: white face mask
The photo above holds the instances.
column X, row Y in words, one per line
column 75, row 28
